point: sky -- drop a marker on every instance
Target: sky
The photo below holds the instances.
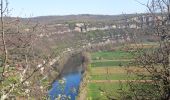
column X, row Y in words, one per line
column 33, row 8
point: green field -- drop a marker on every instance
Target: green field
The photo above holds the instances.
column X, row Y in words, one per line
column 116, row 76
column 107, row 70
column 107, row 65
column 110, row 63
column 96, row 90
column 111, row 55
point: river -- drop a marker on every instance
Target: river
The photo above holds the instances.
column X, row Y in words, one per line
column 67, row 87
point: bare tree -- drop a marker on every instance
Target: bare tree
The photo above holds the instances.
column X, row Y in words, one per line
column 3, row 11
column 154, row 82
column 27, row 71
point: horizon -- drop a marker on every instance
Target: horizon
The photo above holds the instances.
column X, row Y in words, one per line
column 76, row 15
column 38, row 8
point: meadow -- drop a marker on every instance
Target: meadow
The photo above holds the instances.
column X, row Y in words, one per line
column 108, row 69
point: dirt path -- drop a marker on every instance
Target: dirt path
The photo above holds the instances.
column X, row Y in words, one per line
column 83, row 94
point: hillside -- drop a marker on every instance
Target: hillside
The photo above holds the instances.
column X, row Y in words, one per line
column 79, row 18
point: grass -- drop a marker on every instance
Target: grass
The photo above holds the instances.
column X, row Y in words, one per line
column 106, row 65
column 95, row 92
column 117, row 76
column 111, row 55
column 109, row 63
column 105, row 70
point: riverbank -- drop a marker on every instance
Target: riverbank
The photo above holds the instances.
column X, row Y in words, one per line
column 72, row 74
column 83, row 87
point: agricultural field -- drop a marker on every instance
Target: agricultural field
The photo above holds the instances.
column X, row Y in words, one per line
column 108, row 69
column 111, row 55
